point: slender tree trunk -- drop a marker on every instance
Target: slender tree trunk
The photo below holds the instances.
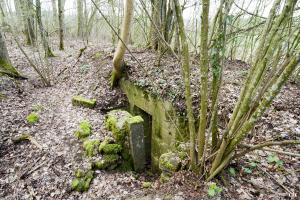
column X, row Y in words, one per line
column 26, row 8
column 118, row 60
column 5, row 65
column 47, row 49
column 204, row 78
column 54, row 11
column 61, row 4
column 187, row 83
column 79, row 18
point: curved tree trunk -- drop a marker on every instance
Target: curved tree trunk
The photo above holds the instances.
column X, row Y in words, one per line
column 118, row 60
column 5, row 65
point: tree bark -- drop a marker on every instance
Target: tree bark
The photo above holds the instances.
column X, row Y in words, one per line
column 204, row 78
column 80, row 18
column 118, row 60
column 187, row 83
column 47, row 49
column 5, row 65
column 61, row 4
column 54, row 11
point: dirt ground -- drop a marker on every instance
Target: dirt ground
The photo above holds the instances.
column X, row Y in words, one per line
column 30, row 172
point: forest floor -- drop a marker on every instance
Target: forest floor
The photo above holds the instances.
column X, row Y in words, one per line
column 45, row 171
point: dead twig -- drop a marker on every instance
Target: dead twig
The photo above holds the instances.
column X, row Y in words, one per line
column 267, row 144
column 24, row 137
column 274, row 179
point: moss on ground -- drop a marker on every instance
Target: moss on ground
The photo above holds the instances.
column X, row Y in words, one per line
column 32, row 118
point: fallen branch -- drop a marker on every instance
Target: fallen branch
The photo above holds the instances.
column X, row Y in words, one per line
column 267, row 144
column 24, row 137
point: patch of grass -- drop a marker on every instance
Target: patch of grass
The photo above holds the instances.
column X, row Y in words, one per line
column 32, row 118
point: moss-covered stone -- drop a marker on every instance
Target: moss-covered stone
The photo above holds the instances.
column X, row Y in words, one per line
column 115, row 121
column 91, row 147
column 81, row 101
column 83, row 181
column 84, row 131
column 110, row 148
column 32, row 118
column 170, row 162
column 109, row 161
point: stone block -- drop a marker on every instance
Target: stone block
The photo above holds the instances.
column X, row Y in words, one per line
column 137, row 143
column 81, row 101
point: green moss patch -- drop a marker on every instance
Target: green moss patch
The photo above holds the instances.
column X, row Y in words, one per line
column 81, row 101
column 32, row 118
column 91, row 147
column 109, row 161
column 110, row 148
column 82, row 181
column 115, row 121
column 85, row 129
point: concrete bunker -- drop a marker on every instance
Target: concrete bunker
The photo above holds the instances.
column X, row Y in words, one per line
column 163, row 127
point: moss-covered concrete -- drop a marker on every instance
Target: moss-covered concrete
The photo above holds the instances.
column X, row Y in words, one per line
column 168, row 127
column 85, row 129
column 110, row 148
column 91, row 147
column 109, row 161
column 115, row 121
column 82, row 181
column 84, row 102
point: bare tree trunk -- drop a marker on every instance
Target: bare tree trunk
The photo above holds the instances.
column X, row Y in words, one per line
column 26, row 8
column 5, row 65
column 118, row 60
column 79, row 18
column 54, row 11
column 61, row 4
column 47, row 49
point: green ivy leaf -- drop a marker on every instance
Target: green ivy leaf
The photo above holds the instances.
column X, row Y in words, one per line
column 232, row 171
column 247, row 170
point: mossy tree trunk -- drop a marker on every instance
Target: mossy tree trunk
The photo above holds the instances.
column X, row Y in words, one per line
column 204, row 64
column 118, row 60
column 187, row 83
column 5, row 65
column 47, row 49
column 249, row 109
